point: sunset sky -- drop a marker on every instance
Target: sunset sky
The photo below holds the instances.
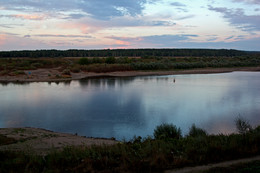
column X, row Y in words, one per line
column 102, row 24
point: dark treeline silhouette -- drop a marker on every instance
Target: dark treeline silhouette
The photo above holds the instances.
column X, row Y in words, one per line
column 126, row 53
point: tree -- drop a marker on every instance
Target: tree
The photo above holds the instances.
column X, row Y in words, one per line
column 196, row 132
column 83, row 61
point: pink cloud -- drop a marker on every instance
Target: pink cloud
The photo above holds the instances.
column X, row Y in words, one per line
column 30, row 17
column 13, row 42
column 2, row 39
column 82, row 27
column 120, row 42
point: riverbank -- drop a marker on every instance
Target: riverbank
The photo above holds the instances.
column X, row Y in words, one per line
column 41, row 141
column 54, row 74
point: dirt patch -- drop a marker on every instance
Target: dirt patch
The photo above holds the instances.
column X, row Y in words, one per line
column 41, row 141
column 199, row 169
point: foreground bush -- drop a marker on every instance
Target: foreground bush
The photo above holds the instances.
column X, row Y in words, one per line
column 167, row 131
column 196, row 132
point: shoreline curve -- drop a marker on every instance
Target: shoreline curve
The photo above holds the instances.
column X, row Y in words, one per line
column 46, row 75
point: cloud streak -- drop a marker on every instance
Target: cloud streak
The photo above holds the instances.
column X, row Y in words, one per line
column 129, row 24
column 25, row 16
column 155, row 40
column 63, row 36
column 98, row 9
column 158, row 41
column 178, row 4
column 257, row 2
column 238, row 18
column 104, row 9
column 19, row 43
column 187, row 41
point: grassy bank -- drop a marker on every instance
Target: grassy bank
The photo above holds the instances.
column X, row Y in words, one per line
column 167, row 149
column 17, row 66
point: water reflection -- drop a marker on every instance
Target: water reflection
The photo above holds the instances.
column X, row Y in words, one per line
column 13, row 83
column 110, row 82
column 124, row 107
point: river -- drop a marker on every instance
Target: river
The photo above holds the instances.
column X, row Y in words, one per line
column 124, row 107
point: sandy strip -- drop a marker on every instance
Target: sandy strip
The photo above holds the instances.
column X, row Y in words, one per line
column 41, row 141
column 50, row 75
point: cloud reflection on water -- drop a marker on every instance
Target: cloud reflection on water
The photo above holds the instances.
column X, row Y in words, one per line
column 124, row 107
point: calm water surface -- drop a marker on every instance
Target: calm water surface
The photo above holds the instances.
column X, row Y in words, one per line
column 124, row 107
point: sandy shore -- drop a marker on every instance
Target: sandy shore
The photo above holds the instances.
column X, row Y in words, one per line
column 41, row 141
column 53, row 75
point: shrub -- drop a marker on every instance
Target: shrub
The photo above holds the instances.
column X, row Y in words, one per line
column 4, row 72
column 196, row 132
column 66, row 72
column 75, row 69
column 83, row 61
column 167, row 131
column 243, row 125
column 96, row 61
column 103, row 68
column 150, row 66
column 16, row 72
column 124, row 60
column 36, row 65
column 257, row 129
column 110, row 60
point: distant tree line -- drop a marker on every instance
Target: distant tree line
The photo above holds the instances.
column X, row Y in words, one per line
column 144, row 53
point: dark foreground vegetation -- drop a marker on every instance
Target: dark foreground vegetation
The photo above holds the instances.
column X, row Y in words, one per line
column 251, row 167
column 168, row 149
column 124, row 60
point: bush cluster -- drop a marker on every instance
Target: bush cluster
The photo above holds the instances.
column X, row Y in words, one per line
column 111, row 64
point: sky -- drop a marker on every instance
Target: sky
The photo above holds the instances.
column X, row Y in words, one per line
column 113, row 24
